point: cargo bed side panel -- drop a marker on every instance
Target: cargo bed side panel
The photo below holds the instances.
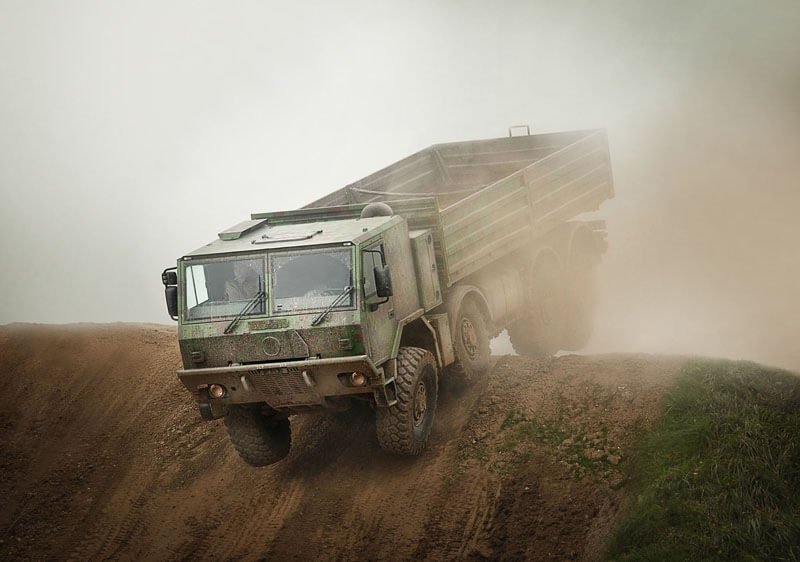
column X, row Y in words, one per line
column 504, row 216
column 484, row 199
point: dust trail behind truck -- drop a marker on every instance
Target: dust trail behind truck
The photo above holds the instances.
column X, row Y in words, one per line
column 380, row 288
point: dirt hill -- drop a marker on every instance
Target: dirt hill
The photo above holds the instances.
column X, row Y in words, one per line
column 103, row 455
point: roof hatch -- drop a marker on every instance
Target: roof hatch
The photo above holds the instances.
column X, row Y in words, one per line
column 236, row 232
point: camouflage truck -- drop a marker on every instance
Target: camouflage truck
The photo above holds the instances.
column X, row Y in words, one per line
column 380, row 288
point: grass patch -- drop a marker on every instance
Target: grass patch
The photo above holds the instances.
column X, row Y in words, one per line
column 518, row 432
column 718, row 477
column 519, row 428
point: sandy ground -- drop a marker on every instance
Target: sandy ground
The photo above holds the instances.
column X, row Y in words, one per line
column 103, row 455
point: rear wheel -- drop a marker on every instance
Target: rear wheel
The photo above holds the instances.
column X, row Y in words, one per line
column 471, row 341
column 403, row 428
column 259, row 439
column 580, row 309
column 540, row 332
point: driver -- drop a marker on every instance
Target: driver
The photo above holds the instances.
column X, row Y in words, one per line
column 245, row 283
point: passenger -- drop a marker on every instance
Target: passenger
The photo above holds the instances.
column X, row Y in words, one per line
column 245, row 283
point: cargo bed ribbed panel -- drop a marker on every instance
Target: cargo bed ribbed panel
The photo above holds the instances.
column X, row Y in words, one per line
column 485, row 199
column 504, row 216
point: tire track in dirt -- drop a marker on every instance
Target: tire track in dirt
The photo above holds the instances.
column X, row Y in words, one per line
column 122, row 521
column 106, row 457
column 52, row 375
column 480, row 518
column 380, row 503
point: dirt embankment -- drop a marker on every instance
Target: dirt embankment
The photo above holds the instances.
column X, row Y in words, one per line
column 103, row 455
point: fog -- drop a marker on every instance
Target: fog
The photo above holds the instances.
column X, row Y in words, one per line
column 134, row 132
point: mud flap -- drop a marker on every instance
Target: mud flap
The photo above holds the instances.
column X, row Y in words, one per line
column 386, row 394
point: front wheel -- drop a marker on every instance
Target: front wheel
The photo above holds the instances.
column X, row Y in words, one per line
column 260, row 440
column 404, row 427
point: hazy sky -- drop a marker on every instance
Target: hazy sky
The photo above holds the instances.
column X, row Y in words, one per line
column 132, row 132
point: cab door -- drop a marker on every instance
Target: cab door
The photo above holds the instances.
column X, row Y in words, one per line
column 380, row 323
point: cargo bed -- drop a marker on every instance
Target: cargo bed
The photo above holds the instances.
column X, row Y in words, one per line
column 485, row 199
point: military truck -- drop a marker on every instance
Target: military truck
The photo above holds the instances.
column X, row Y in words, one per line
column 377, row 290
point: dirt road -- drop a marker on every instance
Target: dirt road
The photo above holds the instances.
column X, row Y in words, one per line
column 103, row 455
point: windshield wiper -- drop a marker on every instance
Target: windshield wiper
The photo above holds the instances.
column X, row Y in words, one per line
column 337, row 300
column 247, row 309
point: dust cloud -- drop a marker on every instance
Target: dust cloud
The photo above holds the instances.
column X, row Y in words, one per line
column 703, row 232
column 708, row 262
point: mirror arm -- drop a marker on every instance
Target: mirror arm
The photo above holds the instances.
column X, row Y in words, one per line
column 373, row 306
column 380, row 253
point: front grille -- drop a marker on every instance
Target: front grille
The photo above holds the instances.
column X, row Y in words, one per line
column 284, row 387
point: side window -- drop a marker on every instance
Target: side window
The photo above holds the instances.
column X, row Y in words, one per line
column 370, row 260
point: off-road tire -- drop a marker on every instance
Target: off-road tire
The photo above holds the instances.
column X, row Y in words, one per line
column 471, row 338
column 541, row 332
column 259, row 439
column 401, row 428
column 581, row 302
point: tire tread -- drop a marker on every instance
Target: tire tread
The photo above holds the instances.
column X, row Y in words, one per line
column 259, row 440
column 394, row 425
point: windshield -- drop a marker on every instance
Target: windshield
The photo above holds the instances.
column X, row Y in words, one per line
column 311, row 279
column 221, row 289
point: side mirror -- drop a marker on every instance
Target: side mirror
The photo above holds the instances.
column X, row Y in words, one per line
column 171, row 294
column 383, row 281
column 169, row 277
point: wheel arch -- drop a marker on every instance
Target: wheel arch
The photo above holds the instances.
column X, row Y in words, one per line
column 461, row 293
column 582, row 241
column 419, row 333
column 546, row 253
column 570, row 238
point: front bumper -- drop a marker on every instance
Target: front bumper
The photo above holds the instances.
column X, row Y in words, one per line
column 289, row 384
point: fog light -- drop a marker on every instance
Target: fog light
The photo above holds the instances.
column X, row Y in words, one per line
column 216, row 391
column 358, row 379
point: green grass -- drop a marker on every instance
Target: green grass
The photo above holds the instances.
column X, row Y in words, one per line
column 518, row 431
column 519, row 428
column 718, row 477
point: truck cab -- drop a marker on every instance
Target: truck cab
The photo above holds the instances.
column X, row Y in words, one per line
column 284, row 313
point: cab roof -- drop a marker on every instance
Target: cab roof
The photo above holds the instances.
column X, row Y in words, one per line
column 267, row 232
